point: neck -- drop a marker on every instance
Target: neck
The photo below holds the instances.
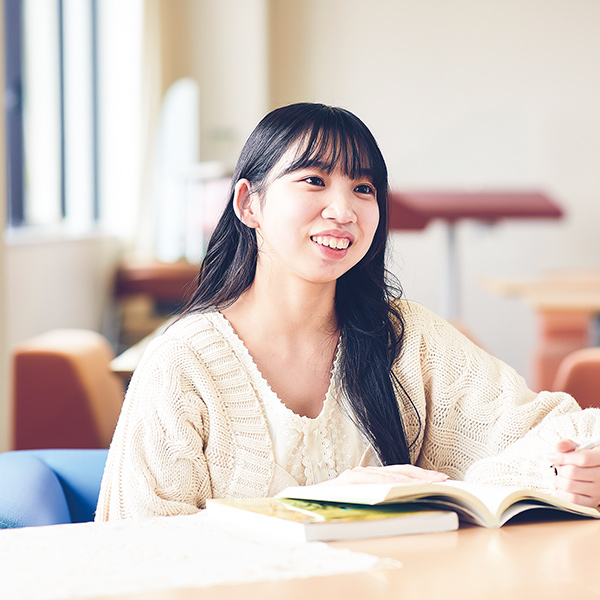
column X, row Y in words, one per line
column 290, row 309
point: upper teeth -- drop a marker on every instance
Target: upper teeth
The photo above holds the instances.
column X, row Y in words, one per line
column 332, row 242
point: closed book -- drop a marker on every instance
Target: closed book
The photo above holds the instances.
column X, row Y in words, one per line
column 305, row 520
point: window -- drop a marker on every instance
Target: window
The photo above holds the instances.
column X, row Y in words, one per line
column 52, row 112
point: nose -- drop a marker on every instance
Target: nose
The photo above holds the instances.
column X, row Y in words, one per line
column 340, row 207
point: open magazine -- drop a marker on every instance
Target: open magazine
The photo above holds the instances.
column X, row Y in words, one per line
column 485, row 505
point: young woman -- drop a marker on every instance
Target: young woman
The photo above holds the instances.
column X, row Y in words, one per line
column 296, row 362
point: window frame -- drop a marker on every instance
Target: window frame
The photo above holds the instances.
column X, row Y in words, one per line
column 15, row 116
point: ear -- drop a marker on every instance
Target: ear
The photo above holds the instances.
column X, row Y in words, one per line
column 244, row 203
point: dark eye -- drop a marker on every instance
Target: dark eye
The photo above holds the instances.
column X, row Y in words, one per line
column 314, row 180
column 365, row 188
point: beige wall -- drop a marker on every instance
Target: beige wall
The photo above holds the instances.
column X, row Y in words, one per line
column 233, row 62
column 459, row 93
column 224, row 46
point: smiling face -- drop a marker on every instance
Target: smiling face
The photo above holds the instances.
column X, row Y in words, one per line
column 313, row 223
column 311, row 190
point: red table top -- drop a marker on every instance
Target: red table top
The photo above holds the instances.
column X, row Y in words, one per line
column 415, row 209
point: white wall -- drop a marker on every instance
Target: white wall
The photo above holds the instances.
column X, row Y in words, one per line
column 465, row 94
column 231, row 59
column 58, row 281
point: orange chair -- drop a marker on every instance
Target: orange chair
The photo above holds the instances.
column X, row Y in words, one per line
column 560, row 334
column 579, row 375
column 65, row 395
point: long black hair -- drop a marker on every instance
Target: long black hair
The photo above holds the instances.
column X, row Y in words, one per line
column 371, row 326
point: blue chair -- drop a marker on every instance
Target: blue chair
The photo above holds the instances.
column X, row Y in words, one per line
column 48, row 487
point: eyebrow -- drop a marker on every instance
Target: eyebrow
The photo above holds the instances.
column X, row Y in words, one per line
column 326, row 167
column 298, row 164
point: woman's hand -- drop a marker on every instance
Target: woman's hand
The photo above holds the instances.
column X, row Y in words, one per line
column 577, row 473
column 389, row 474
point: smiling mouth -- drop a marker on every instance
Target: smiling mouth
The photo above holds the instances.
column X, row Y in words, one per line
column 331, row 242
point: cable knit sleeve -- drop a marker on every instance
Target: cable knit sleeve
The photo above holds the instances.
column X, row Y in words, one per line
column 156, row 463
column 472, row 416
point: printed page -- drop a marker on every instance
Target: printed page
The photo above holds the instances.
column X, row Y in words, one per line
column 493, row 496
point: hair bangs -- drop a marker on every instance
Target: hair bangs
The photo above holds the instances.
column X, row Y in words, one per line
column 328, row 146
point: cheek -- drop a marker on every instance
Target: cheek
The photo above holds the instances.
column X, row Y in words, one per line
column 370, row 221
column 298, row 216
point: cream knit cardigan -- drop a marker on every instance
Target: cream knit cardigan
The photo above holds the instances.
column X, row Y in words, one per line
column 193, row 424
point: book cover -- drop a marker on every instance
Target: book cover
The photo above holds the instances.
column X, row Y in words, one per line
column 306, row 520
column 485, row 505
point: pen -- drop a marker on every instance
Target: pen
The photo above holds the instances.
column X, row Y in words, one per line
column 592, row 443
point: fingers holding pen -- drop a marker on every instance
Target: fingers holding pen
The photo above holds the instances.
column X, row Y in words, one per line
column 568, row 452
column 578, row 486
column 577, row 473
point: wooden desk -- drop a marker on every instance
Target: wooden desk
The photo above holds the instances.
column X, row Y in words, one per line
column 125, row 363
column 167, row 282
column 534, row 560
column 147, row 292
column 567, row 304
column 568, row 291
column 153, row 560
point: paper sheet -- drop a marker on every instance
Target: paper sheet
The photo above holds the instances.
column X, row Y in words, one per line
column 125, row 557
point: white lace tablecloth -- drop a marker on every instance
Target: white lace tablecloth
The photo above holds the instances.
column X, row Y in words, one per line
column 90, row 560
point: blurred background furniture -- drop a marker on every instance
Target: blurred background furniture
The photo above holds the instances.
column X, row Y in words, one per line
column 125, row 363
column 579, row 375
column 567, row 304
column 48, row 487
column 414, row 210
column 191, row 200
column 147, row 293
column 65, row 394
